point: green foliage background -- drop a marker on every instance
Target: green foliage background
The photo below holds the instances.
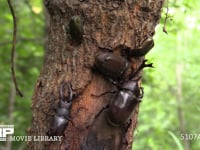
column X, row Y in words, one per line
column 158, row 124
column 29, row 59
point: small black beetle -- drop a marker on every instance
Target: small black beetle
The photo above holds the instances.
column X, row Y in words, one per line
column 61, row 118
column 76, row 29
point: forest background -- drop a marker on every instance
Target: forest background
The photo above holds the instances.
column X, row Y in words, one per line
column 169, row 112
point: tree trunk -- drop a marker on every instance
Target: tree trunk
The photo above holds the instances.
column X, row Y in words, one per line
column 106, row 25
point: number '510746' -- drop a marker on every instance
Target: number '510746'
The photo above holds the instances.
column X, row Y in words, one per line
column 190, row 136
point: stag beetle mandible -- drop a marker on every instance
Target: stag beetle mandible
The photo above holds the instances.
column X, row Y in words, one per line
column 61, row 118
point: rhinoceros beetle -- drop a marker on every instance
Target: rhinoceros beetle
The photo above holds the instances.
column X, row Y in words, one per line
column 126, row 98
column 129, row 93
column 142, row 50
column 115, row 67
column 111, row 65
column 61, row 118
column 124, row 102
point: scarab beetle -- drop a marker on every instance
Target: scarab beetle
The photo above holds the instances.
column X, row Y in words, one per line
column 124, row 102
column 129, row 93
column 76, row 29
column 111, row 65
column 61, row 118
column 115, row 67
column 126, row 98
column 142, row 50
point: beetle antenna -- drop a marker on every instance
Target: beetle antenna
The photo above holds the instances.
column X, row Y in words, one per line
column 143, row 65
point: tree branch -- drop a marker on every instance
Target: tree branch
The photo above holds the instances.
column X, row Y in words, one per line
column 166, row 18
column 13, row 48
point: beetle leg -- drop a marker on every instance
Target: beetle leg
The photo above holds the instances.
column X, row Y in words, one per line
column 102, row 109
column 128, row 124
column 143, row 65
column 104, row 93
column 141, row 93
column 97, row 115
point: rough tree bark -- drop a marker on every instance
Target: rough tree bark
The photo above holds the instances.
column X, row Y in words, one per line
column 106, row 24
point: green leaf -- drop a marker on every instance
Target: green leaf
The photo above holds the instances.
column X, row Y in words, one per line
column 176, row 140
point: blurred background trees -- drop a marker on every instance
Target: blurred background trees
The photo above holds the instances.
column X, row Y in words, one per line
column 29, row 59
column 171, row 103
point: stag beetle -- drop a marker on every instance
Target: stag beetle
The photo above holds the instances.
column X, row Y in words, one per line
column 61, row 118
column 129, row 93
